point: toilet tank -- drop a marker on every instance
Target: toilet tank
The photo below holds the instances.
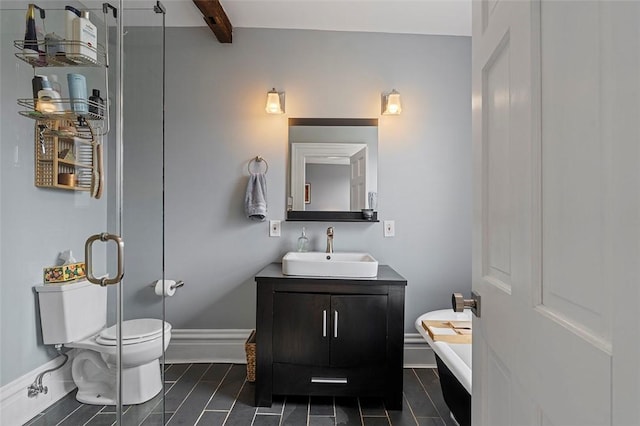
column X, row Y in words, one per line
column 71, row 312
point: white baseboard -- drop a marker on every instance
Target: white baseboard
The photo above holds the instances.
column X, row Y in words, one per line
column 207, row 345
column 17, row 408
column 417, row 352
column 227, row 346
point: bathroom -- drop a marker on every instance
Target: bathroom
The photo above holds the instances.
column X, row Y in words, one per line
column 215, row 124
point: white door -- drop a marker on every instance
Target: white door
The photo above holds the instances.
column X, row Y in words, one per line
column 358, row 182
column 556, row 119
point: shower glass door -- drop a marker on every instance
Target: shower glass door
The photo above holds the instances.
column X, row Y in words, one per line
column 70, row 169
column 142, row 159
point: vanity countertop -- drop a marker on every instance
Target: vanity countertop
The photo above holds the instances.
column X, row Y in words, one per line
column 386, row 275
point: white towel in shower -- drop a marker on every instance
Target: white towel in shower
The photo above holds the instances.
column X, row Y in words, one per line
column 255, row 200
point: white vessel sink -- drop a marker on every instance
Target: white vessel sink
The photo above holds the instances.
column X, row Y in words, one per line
column 318, row 264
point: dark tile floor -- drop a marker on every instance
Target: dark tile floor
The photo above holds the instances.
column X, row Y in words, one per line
column 218, row 394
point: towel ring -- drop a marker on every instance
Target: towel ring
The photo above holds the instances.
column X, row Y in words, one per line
column 258, row 159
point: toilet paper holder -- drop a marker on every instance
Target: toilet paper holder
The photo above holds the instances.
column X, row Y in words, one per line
column 177, row 285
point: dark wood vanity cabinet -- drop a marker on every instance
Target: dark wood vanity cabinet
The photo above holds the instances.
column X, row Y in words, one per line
column 329, row 336
column 329, row 330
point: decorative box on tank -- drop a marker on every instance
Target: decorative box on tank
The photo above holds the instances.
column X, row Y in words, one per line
column 64, row 273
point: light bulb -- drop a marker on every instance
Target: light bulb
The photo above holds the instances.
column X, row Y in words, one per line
column 273, row 103
column 393, row 106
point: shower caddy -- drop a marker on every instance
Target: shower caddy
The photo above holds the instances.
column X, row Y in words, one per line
column 68, row 148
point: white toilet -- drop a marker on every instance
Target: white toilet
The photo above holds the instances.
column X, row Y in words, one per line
column 75, row 315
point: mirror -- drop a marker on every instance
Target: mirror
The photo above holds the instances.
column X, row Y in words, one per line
column 333, row 164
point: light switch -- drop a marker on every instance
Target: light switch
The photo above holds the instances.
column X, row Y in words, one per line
column 274, row 228
column 389, row 228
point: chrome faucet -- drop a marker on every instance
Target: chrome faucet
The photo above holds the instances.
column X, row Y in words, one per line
column 330, row 239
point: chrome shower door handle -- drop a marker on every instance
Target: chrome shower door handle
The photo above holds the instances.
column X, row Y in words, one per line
column 88, row 258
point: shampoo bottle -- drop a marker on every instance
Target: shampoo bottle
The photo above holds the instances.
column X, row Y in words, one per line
column 30, row 47
column 78, row 93
column 86, row 34
column 96, row 107
column 48, row 99
column 71, row 13
column 36, row 84
column 303, row 241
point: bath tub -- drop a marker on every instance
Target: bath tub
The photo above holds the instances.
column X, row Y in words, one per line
column 454, row 365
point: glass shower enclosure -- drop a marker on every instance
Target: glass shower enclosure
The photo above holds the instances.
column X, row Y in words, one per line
column 82, row 330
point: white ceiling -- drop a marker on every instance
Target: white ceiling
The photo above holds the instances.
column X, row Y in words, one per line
column 444, row 17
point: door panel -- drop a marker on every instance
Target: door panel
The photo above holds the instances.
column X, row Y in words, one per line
column 361, row 330
column 301, row 328
column 497, row 192
column 499, row 392
column 575, row 156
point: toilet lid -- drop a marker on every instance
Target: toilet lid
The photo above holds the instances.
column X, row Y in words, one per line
column 135, row 330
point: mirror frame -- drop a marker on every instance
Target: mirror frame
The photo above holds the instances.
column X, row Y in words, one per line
column 324, row 216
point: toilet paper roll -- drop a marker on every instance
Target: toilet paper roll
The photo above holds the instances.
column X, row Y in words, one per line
column 165, row 288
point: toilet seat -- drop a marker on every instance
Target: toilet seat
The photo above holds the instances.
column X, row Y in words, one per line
column 134, row 331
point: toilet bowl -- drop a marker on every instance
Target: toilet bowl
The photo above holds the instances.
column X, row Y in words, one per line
column 94, row 368
column 75, row 316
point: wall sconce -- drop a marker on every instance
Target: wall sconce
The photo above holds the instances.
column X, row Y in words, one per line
column 391, row 103
column 275, row 102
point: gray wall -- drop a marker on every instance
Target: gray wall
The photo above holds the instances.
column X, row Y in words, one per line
column 35, row 224
column 216, row 123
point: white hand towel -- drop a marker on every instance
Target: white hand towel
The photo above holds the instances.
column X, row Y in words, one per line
column 255, row 200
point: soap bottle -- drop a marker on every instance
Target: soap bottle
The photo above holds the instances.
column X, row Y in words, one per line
column 30, row 47
column 48, row 99
column 86, row 34
column 303, row 241
column 97, row 106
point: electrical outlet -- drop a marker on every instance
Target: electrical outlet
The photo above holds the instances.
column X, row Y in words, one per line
column 389, row 228
column 274, row 228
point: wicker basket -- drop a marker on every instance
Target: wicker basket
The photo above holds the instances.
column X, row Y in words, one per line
column 250, row 349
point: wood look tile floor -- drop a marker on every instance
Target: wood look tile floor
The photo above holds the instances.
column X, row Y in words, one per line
column 218, row 394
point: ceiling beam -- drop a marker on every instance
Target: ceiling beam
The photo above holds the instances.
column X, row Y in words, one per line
column 216, row 19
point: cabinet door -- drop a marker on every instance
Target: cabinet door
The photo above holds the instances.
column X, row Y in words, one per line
column 358, row 330
column 301, row 328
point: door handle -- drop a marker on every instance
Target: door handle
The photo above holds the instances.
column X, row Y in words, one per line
column 335, row 324
column 88, row 258
column 324, row 323
column 459, row 303
column 330, row 380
